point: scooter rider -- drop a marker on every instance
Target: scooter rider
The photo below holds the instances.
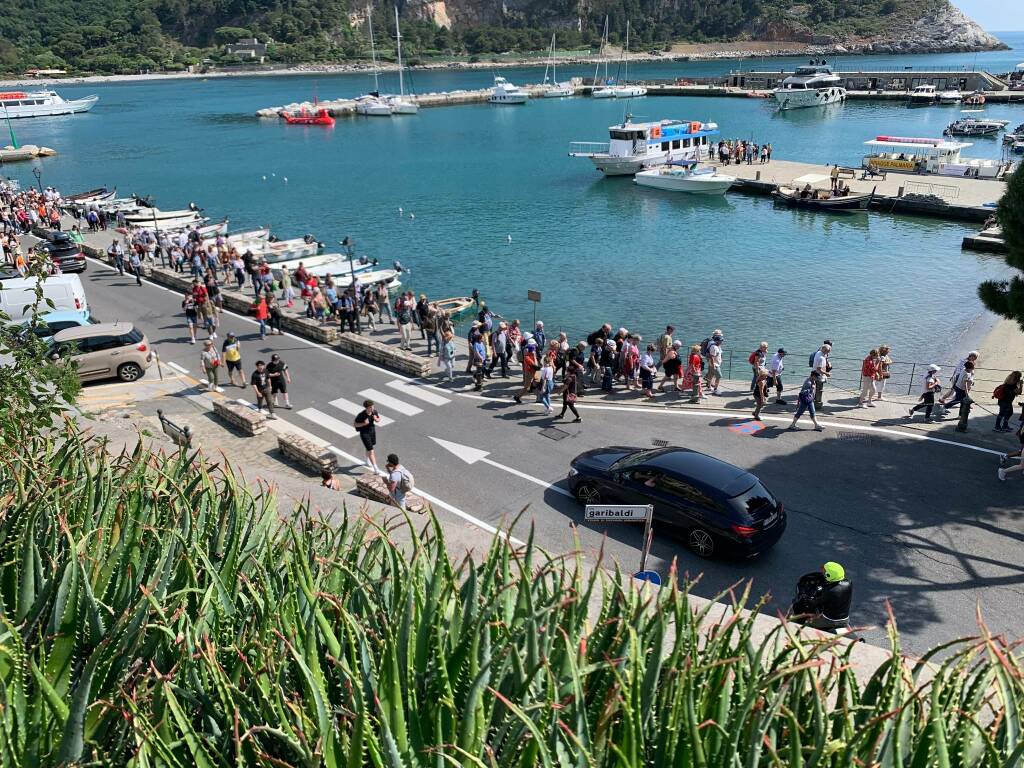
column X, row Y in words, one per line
column 823, row 598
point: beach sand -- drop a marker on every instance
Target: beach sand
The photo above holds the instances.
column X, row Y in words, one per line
column 1002, row 348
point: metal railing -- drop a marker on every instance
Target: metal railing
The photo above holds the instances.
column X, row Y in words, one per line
column 945, row 191
column 588, row 147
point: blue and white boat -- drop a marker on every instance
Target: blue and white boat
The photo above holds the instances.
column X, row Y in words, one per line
column 635, row 146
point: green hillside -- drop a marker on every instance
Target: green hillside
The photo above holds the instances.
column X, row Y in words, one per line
column 131, row 35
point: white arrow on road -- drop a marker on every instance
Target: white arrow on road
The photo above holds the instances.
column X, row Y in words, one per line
column 473, row 455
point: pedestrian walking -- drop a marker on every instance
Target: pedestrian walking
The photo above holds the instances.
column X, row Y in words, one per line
column 403, row 314
column 1004, row 395
column 647, row 371
column 609, row 356
column 775, row 367
column 715, row 363
column 400, row 480
column 672, row 367
column 805, row 401
column 231, row 351
column 820, row 363
column 116, row 253
column 366, row 425
column 930, row 386
column 692, row 378
column 957, row 392
column 760, row 391
column 547, row 384
column 188, row 305
column 280, row 380
column 1001, row 473
column 210, row 362
column 274, row 315
column 448, row 356
column 499, row 349
column 757, row 359
column 884, row 370
column 530, row 370
column 260, row 312
column 478, row 360
column 569, row 395
column 260, row 381
column 869, row 373
column 383, row 303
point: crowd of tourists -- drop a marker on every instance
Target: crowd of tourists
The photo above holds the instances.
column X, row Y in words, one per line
column 20, row 211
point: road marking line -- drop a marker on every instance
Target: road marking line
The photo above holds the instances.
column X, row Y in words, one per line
column 443, row 504
column 354, row 408
column 417, row 390
column 328, row 422
column 175, row 366
column 379, row 398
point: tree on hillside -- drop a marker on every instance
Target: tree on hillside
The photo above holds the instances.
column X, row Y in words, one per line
column 1006, row 297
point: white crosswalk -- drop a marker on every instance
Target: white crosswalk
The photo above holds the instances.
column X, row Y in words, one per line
column 385, row 402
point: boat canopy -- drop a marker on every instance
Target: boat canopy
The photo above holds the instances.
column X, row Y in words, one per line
column 919, row 146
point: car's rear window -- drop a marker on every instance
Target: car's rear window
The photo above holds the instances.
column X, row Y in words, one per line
column 756, row 501
column 134, row 336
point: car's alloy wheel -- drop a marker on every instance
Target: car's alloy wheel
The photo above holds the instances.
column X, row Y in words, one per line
column 129, row 372
column 588, row 494
column 701, row 542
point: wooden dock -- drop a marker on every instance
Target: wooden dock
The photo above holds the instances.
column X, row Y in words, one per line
column 949, row 197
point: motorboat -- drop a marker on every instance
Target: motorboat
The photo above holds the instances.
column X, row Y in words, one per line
column 15, row 104
column 604, row 92
column 976, row 99
column 506, row 93
column 252, row 234
column 334, row 263
column 279, row 250
column 401, row 104
column 552, row 88
column 975, row 126
column 339, row 270
column 811, row 85
column 909, row 154
column 635, row 146
column 92, row 195
column 316, row 116
column 814, row 191
column 206, row 231
column 373, row 104
column 627, row 91
column 150, row 215
column 686, row 176
column 1017, row 134
column 950, row 97
column 923, row 94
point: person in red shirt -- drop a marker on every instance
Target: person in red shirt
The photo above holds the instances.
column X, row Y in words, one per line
column 870, row 372
column 692, row 378
column 530, row 368
column 204, row 308
column 261, row 313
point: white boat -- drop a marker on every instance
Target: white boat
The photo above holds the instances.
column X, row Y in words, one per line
column 401, row 104
column 251, row 234
column 155, row 214
column 373, row 104
column 602, row 91
column 812, row 85
column 923, row 94
column 16, row 104
column 555, row 89
column 686, row 176
column 635, row 146
column 507, row 93
column 340, row 272
column 330, row 263
column 975, row 126
column 907, row 154
column 627, row 91
column 950, row 97
column 279, row 250
column 205, row 230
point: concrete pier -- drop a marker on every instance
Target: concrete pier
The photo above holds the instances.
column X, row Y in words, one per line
column 948, row 197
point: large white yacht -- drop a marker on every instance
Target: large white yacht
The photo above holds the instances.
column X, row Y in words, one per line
column 41, row 104
column 812, row 85
column 635, row 146
column 507, row 93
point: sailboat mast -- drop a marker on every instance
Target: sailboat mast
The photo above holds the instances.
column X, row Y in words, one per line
column 554, row 71
column 398, row 42
column 625, row 56
column 373, row 49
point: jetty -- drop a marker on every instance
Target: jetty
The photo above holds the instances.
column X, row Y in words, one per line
column 948, row 197
column 11, row 154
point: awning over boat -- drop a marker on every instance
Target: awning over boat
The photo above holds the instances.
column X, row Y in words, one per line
column 918, row 148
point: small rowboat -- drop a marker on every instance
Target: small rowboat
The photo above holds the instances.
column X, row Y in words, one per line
column 791, row 196
column 252, row 234
column 454, row 307
column 93, row 195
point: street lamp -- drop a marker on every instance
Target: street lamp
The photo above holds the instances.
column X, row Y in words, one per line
column 350, row 247
column 39, row 177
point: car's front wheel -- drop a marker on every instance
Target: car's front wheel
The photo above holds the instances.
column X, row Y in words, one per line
column 700, row 542
column 588, row 493
column 129, row 372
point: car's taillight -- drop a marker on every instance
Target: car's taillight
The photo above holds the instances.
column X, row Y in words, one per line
column 141, row 347
column 78, row 303
column 743, row 530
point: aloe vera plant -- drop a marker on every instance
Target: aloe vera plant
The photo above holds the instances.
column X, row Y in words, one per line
column 154, row 611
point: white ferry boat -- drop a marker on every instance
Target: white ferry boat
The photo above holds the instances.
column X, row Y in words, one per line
column 507, row 93
column 812, row 85
column 905, row 154
column 42, row 104
column 635, row 146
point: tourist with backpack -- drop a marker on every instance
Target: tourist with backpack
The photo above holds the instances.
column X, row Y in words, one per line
column 715, row 363
column 400, row 480
column 805, row 401
column 1004, row 395
column 757, row 361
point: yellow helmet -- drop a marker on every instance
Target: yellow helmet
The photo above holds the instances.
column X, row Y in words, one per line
column 833, row 572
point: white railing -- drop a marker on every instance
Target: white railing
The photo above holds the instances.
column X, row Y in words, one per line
column 588, row 148
column 945, row 191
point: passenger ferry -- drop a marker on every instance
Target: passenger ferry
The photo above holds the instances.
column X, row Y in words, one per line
column 635, row 146
column 42, row 104
column 904, row 154
column 813, row 85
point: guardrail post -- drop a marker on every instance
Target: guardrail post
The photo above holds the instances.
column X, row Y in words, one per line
column 729, row 374
column 910, row 383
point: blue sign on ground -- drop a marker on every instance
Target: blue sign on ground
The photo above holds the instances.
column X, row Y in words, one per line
column 651, row 576
column 746, row 427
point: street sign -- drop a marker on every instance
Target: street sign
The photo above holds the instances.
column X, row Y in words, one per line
column 533, row 295
column 618, row 513
column 651, row 576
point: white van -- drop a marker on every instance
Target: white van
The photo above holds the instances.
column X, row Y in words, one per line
column 65, row 291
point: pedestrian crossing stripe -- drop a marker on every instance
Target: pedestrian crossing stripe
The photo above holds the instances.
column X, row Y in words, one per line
column 354, row 408
column 379, row 398
column 418, row 391
column 328, row 422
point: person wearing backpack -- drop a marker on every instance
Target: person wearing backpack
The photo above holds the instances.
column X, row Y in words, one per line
column 400, row 480
column 1004, row 395
column 757, row 360
column 805, row 401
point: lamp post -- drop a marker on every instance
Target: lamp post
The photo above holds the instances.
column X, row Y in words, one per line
column 350, row 248
column 39, row 177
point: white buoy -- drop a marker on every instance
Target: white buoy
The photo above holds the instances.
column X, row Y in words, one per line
column 510, row 239
column 412, row 215
column 400, row 211
column 264, row 178
column 285, row 179
column 273, row 174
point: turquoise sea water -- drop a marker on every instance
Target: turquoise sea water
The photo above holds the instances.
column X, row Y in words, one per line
column 598, row 249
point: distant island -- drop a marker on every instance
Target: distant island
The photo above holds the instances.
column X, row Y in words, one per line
column 133, row 36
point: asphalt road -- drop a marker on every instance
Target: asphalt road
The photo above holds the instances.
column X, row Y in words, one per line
column 922, row 525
